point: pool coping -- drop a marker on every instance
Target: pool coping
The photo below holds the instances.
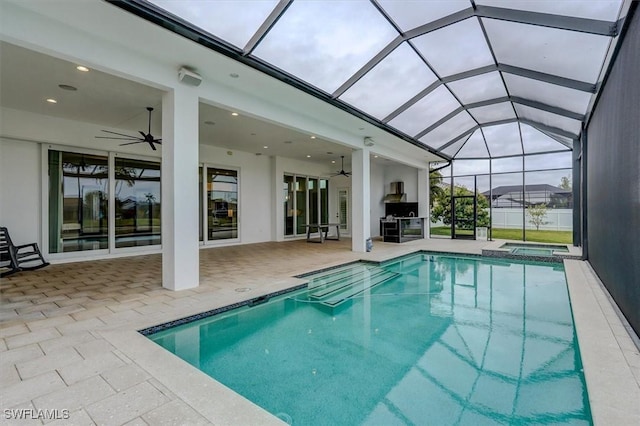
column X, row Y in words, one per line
column 613, row 391
column 603, row 341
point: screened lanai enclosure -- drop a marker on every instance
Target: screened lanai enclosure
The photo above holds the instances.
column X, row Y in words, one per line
column 500, row 90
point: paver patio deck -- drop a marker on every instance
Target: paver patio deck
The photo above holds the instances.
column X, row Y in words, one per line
column 68, row 337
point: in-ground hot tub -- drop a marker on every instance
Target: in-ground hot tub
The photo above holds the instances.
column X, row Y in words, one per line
column 534, row 249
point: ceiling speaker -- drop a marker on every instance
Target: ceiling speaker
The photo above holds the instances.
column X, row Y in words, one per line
column 189, row 77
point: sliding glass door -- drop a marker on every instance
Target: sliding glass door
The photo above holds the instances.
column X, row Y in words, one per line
column 137, row 202
column 78, row 202
column 222, row 204
column 81, row 193
column 289, row 205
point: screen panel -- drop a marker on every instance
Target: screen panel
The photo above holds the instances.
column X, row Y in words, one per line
column 449, row 130
column 391, row 83
column 547, row 93
column 455, row 48
column 324, row 46
column 234, row 21
column 479, row 88
column 503, row 139
column 535, row 141
column 491, row 113
column 549, row 118
column 558, row 52
column 426, row 111
column 602, row 10
column 475, row 147
column 411, row 14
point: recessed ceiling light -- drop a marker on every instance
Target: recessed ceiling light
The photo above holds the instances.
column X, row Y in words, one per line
column 52, row 101
column 308, row 156
column 82, row 68
column 313, row 137
column 209, row 123
column 333, row 161
column 235, row 114
column 67, row 87
column 375, row 156
column 234, row 75
column 265, row 147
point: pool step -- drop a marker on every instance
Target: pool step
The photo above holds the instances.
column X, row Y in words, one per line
column 338, row 275
column 408, row 265
column 337, row 293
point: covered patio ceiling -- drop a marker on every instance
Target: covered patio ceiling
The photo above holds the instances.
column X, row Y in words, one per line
column 466, row 79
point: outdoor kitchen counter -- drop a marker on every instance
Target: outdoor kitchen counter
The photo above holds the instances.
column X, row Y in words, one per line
column 401, row 229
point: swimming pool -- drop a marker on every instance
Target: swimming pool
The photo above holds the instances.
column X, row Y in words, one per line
column 425, row 339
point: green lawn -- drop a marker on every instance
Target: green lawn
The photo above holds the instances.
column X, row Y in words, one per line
column 563, row 237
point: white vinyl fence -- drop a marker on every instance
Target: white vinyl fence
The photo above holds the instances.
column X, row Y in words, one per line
column 556, row 219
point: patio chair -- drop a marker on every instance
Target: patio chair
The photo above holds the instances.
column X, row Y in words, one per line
column 18, row 258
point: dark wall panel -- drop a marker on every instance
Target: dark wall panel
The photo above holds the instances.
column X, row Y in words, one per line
column 613, row 179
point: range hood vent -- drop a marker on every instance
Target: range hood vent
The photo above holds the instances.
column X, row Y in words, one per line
column 397, row 194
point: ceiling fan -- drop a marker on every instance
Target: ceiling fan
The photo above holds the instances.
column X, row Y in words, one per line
column 342, row 172
column 146, row 137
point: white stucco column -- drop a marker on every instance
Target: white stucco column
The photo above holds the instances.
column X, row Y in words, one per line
column 360, row 196
column 180, row 246
column 423, row 199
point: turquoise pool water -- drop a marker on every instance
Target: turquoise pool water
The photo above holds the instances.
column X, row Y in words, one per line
column 425, row 339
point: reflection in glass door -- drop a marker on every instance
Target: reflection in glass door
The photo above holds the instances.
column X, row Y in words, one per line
column 324, row 201
column 137, row 202
column 78, row 202
column 301, row 205
column 343, row 209
column 289, row 205
column 314, row 211
column 222, row 204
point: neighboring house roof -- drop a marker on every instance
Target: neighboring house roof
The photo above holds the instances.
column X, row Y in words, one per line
column 502, row 190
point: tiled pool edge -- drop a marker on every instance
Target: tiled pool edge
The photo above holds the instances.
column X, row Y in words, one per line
column 613, row 391
column 191, row 318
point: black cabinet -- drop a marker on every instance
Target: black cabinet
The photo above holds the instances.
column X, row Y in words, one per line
column 401, row 229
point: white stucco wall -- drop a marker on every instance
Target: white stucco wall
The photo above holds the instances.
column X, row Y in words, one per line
column 379, row 189
column 406, row 174
column 20, row 190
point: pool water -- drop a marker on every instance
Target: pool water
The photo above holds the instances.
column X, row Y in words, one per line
column 425, row 339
